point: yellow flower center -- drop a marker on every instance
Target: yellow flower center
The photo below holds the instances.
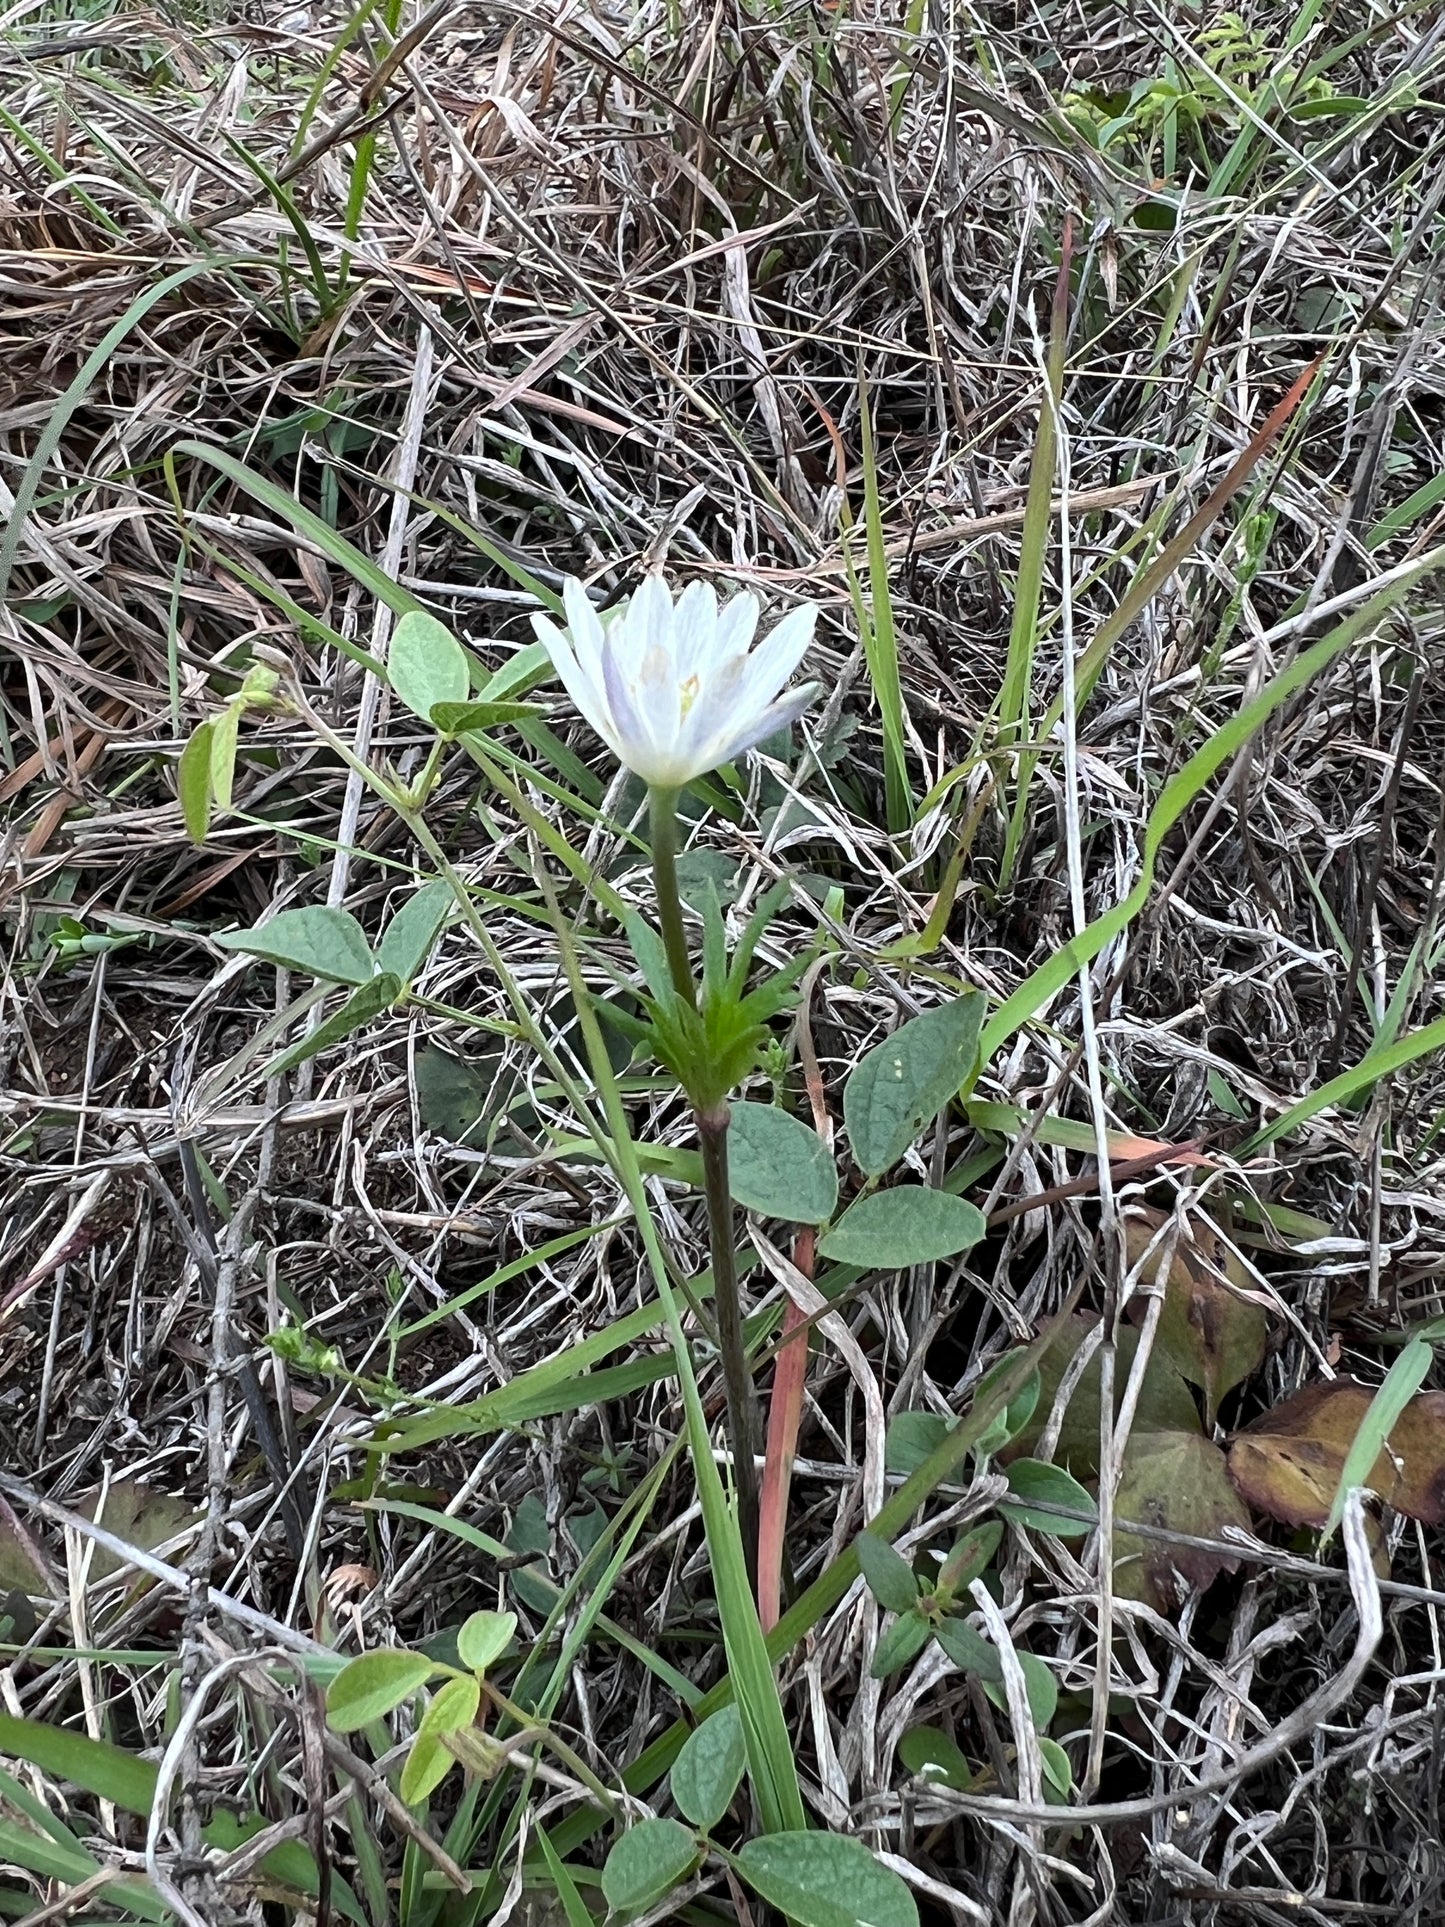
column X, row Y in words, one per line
column 687, row 695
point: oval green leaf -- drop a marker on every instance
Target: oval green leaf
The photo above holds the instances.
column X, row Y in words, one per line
column 429, row 1761
column 969, row 1650
column 1033, row 1480
column 1039, row 1683
column 932, row 1755
column 647, row 1862
column 483, row 1639
column 193, row 780
column 455, row 719
column 888, row 1575
column 911, row 1437
column 323, row 942
column 706, row 1773
column 369, row 1687
column 426, row 664
column 904, row 1640
column 826, row 1880
column 778, row 1167
column 904, row 1082
column 909, row 1225
column 407, row 940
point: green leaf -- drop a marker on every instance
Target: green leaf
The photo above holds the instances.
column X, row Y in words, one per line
column 903, row 1083
column 1057, row 1770
column 360, row 1007
column 1015, row 1415
column 904, row 1640
column 826, row 1880
column 452, row 1095
column 706, row 1773
column 193, row 781
column 646, row 1863
column 483, row 1639
column 909, row 1225
column 888, row 1574
column 1181, row 1482
column 778, row 1167
column 968, row 1560
column 911, row 1438
column 100, row 1768
column 969, row 1650
column 323, row 942
column 1031, row 1479
column 370, row 1686
column 426, row 664
column 225, row 734
column 705, row 876
column 1041, row 1686
column 407, row 940
column 455, row 719
column 453, row 1707
column 933, row 1756
column 1164, row 1403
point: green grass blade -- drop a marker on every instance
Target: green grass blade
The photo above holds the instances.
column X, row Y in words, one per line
column 58, row 419
column 1371, row 1068
column 1400, row 1384
column 343, row 553
column 874, row 615
column 1178, row 793
column 1017, row 686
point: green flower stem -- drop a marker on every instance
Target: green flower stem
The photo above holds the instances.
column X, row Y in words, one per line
column 662, row 808
column 742, row 1398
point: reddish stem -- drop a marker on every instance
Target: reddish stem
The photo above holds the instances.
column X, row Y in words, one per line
column 785, row 1412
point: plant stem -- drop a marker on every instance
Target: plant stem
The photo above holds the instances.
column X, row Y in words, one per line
column 742, row 1401
column 662, row 808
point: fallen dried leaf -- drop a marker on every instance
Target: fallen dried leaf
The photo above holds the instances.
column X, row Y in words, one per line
column 1179, row 1482
column 1165, row 1401
column 1214, row 1336
column 1288, row 1463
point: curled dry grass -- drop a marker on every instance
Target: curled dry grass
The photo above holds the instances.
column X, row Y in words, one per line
column 593, row 286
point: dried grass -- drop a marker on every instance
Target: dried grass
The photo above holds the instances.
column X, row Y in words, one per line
column 614, row 279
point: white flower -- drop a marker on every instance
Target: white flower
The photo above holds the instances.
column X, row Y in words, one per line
column 675, row 691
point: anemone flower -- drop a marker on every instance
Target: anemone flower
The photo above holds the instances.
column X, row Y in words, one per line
column 675, row 689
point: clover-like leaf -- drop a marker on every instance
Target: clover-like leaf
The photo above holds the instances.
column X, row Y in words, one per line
column 778, row 1167
column 1289, row 1463
column 903, row 1083
column 1178, row 1481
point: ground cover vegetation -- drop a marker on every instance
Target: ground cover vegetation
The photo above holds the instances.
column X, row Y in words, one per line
column 645, row 1283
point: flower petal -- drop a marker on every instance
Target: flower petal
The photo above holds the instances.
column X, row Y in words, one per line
column 736, row 625
column 584, row 628
column 779, row 715
column 586, row 693
column 648, row 621
column 694, row 628
column 775, row 658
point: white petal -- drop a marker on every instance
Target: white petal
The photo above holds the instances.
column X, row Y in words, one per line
column 779, row 715
column 694, row 624
column 584, row 627
column 715, row 714
column 630, row 737
column 588, row 696
column 736, row 625
column 649, row 621
column 658, row 698
column 775, row 659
